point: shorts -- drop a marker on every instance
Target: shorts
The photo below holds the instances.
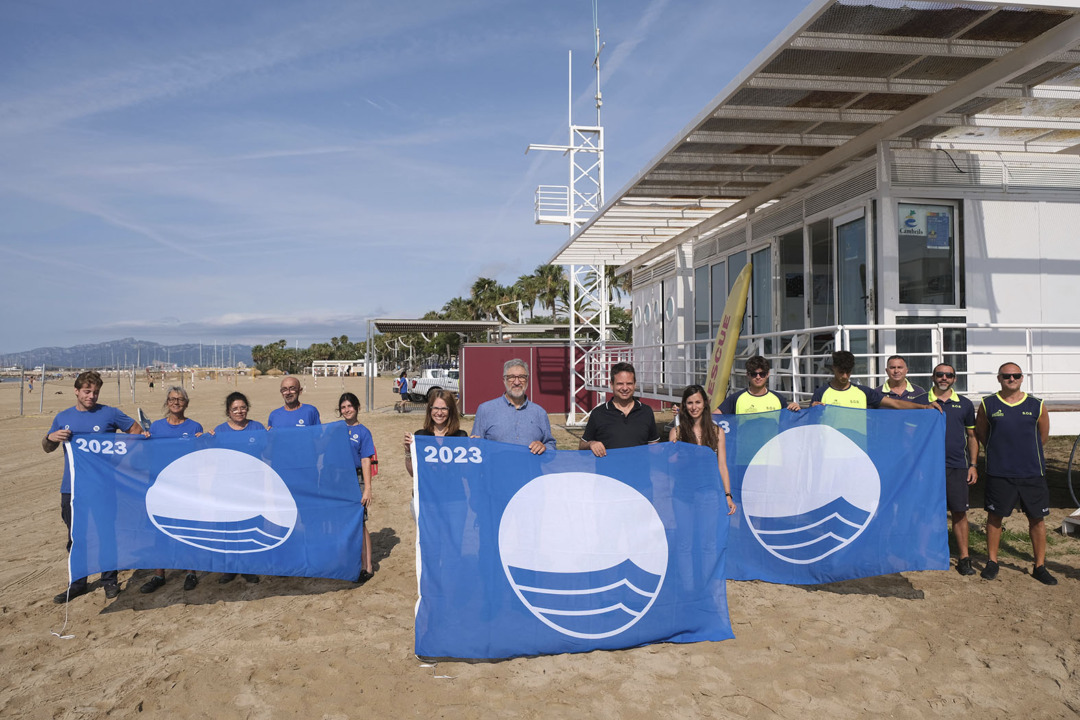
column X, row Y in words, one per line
column 1002, row 493
column 956, row 489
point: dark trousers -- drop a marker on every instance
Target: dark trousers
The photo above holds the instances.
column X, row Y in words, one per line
column 108, row 577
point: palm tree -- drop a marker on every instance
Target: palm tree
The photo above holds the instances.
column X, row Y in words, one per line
column 619, row 286
column 459, row 308
column 527, row 290
column 486, row 295
column 552, row 286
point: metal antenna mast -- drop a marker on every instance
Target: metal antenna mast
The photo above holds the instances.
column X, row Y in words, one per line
column 572, row 205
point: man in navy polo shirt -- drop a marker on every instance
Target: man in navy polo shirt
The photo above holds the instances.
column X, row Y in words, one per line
column 897, row 385
column 1013, row 427
column 86, row 417
column 961, row 455
column 511, row 417
column 622, row 421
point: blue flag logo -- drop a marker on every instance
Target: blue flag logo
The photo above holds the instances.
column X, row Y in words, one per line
column 252, row 512
column 586, row 574
column 802, row 522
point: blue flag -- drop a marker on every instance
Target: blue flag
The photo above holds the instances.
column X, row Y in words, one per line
column 833, row 493
column 522, row 554
column 284, row 502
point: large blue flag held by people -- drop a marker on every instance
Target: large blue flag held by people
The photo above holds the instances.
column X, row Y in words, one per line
column 284, row 502
column 834, row 493
column 522, row 554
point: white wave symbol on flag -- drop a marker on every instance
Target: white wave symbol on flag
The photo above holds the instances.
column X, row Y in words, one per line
column 249, row 535
column 585, row 553
column 809, row 492
column 593, row 603
column 811, row 536
column 222, row 500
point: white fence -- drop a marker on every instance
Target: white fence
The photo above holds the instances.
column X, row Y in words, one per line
column 1047, row 354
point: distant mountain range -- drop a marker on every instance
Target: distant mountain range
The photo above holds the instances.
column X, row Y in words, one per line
column 128, row 352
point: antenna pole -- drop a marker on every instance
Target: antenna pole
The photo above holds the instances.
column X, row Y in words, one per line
column 596, row 59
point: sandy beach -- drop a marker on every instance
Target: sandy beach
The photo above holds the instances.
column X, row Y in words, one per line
column 913, row 645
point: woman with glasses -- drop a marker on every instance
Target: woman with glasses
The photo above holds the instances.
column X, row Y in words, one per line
column 441, row 420
column 175, row 424
column 363, row 449
column 236, row 410
column 696, row 427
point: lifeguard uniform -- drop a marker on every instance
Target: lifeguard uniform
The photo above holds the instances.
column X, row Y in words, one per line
column 1015, row 465
column 959, row 418
column 743, row 403
column 909, row 393
column 856, row 396
column 753, row 434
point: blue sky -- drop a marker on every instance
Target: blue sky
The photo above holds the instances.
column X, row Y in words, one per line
column 249, row 171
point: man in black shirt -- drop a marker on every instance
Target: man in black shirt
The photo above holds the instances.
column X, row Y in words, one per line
column 621, row 422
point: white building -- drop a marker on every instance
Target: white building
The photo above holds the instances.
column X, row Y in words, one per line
column 905, row 178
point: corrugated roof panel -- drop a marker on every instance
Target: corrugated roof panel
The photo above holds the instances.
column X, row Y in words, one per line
column 846, row 75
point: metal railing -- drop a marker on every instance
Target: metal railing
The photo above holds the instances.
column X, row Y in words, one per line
column 552, row 204
column 800, row 359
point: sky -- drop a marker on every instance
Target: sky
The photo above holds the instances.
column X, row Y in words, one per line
column 249, row 171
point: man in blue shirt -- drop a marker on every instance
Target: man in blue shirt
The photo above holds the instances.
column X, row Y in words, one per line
column 511, row 417
column 1013, row 427
column 294, row 413
column 961, row 455
column 85, row 417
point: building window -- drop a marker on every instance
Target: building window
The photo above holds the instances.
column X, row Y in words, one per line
column 927, row 254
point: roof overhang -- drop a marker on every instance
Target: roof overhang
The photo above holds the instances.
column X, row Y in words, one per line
column 385, row 325
column 844, row 78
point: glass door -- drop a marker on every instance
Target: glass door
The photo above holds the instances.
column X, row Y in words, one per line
column 853, row 288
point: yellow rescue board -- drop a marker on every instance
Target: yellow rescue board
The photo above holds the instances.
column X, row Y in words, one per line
column 727, row 338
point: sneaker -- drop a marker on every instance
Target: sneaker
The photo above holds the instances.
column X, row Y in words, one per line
column 112, row 591
column 151, row 585
column 1043, row 575
column 70, row 594
column 253, row 579
column 963, row 566
column 190, row 581
column 226, row 578
column 990, row 571
column 364, row 577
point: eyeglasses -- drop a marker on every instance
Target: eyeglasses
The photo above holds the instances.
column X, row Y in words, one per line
column 944, row 375
column 758, row 373
column 440, row 409
column 1011, row 376
column 176, row 400
column 289, row 390
column 515, row 378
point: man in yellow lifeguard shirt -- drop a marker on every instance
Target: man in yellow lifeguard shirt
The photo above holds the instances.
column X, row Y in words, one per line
column 841, row 392
column 757, row 397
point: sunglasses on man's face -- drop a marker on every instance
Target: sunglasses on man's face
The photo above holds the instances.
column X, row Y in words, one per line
column 1011, row 376
column 944, row 375
column 757, row 373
